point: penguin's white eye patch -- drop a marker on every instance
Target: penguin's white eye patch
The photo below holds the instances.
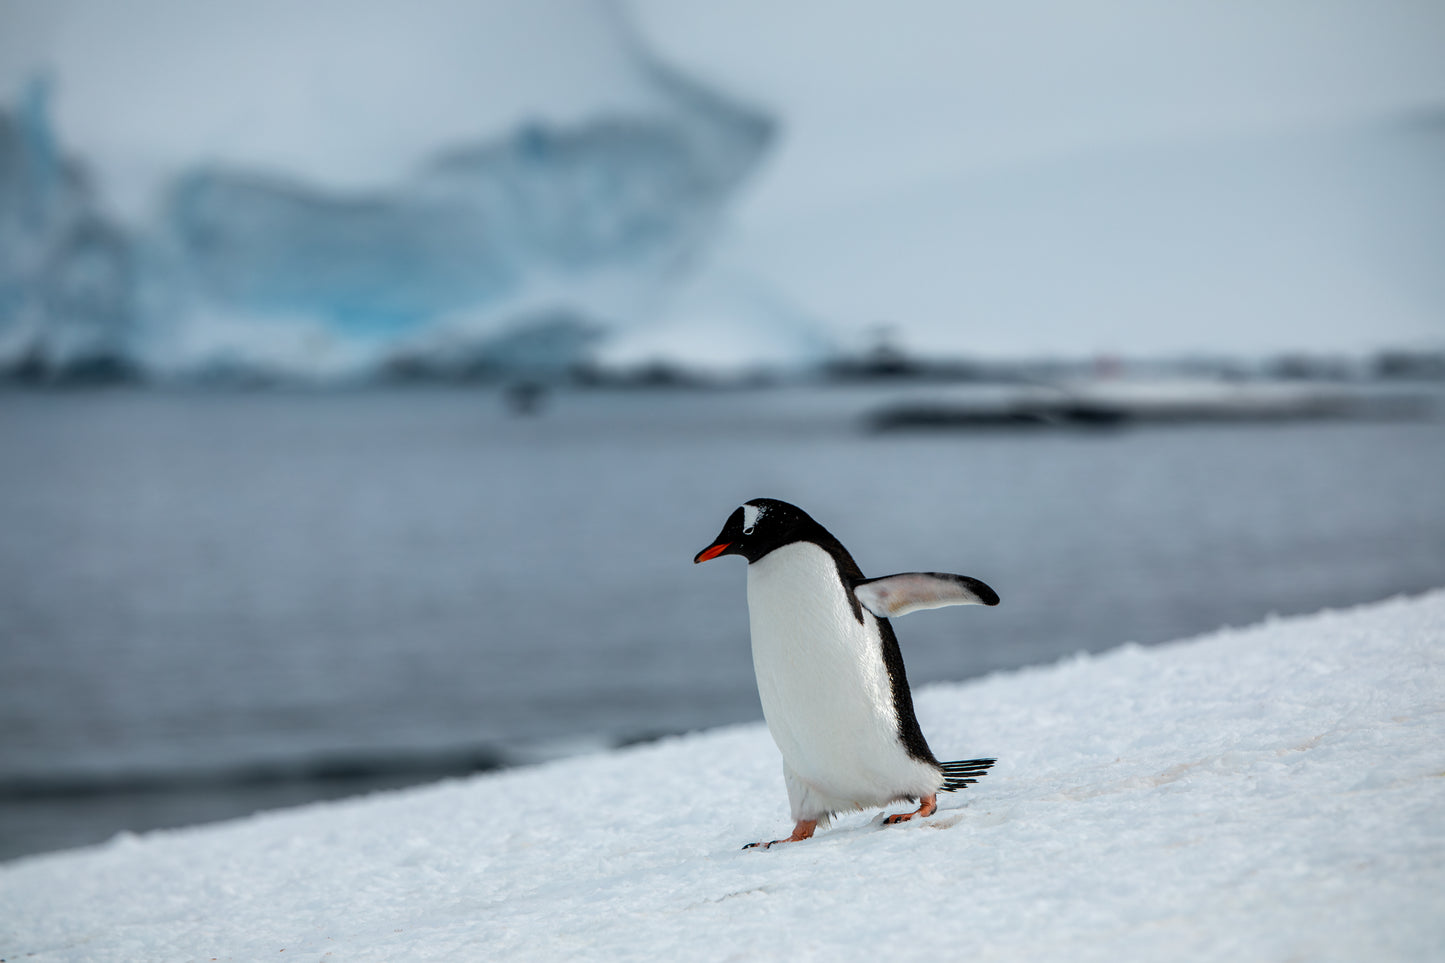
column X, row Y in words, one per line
column 751, row 514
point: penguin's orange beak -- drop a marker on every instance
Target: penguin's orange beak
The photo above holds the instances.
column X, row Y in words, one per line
column 712, row 551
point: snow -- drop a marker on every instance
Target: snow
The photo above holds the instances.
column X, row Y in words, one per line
column 1273, row 792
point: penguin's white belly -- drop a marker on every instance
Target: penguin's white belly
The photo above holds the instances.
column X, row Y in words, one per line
column 824, row 688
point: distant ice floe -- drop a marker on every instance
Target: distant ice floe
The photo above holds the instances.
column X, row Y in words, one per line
column 1104, row 403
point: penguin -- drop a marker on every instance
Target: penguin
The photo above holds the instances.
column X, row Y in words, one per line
column 830, row 675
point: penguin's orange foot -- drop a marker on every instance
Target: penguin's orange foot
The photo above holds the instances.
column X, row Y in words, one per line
column 803, row 830
column 928, row 805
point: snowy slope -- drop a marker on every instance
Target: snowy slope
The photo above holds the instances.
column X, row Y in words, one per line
column 1275, row 792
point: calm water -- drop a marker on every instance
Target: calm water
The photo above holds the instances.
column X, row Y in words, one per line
column 212, row 603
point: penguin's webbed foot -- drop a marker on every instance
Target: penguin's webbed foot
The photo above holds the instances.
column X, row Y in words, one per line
column 803, row 830
column 927, row 806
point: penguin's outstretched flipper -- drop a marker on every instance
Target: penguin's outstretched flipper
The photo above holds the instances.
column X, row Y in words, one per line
column 895, row 595
column 963, row 773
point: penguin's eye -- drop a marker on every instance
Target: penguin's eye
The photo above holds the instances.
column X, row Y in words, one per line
column 748, row 530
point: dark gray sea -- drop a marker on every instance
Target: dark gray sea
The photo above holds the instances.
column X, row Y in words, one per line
column 216, row 602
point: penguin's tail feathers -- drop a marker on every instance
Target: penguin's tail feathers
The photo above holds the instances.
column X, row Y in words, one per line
column 963, row 773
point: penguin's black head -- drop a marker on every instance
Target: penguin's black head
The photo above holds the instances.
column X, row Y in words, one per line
column 757, row 528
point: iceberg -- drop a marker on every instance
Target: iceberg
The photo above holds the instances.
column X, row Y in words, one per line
column 244, row 269
column 67, row 274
